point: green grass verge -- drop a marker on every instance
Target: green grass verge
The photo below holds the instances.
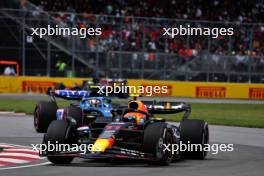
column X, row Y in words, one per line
column 246, row 115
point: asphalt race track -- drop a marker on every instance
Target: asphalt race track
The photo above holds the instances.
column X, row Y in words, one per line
column 246, row 159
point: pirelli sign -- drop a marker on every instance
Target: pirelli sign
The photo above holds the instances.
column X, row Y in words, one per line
column 210, row 92
column 256, row 93
column 37, row 86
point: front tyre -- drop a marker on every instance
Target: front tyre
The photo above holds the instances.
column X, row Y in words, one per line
column 56, row 134
column 194, row 132
column 156, row 135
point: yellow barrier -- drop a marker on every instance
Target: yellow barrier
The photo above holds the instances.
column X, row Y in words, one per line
column 15, row 84
column 22, row 84
column 206, row 90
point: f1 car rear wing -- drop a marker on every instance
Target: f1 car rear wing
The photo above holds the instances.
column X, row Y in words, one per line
column 166, row 107
column 70, row 94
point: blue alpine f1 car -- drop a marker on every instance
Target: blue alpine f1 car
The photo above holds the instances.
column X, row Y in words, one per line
column 88, row 105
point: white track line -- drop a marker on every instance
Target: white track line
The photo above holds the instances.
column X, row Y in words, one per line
column 6, row 112
column 21, row 150
column 6, row 146
column 15, row 161
column 12, row 113
column 19, row 167
column 14, row 145
column 19, row 154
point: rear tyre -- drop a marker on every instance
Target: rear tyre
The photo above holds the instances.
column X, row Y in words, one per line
column 44, row 114
column 155, row 136
column 194, row 132
column 56, row 134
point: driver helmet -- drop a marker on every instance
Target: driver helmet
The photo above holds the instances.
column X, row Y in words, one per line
column 135, row 117
column 94, row 103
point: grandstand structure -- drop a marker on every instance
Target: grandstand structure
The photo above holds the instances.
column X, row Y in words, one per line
column 132, row 45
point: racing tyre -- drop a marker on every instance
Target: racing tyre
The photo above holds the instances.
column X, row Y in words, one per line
column 76, row 113
column 194, row 132
column 57, row 134
column 44, row 114
column 155, row 135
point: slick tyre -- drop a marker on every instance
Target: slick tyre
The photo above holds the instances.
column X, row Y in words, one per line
column 44, row 114
column 194, row 132
column 155, row 136
column 58, row 133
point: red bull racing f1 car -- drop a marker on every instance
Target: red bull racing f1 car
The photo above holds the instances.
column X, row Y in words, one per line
column 134, row 133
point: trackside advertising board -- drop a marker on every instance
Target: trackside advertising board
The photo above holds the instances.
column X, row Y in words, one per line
column 206, row 90
column 22, row 84
column 26, row 84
